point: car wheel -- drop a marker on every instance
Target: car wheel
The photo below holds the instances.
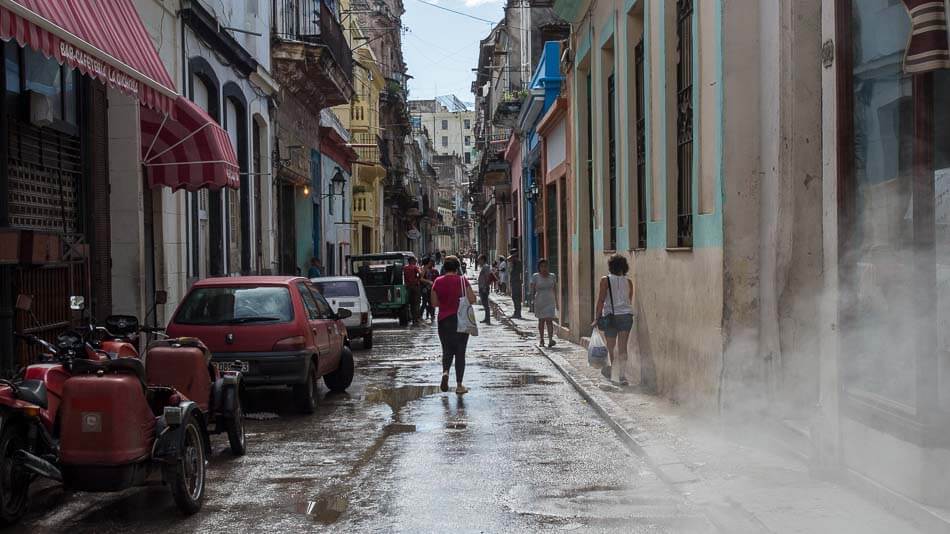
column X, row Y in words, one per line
column 341, row 379
column 305, row 395
column 404, row 316
column 186, row 476
column 368, row 341
column 14, row 481
column 235, row 425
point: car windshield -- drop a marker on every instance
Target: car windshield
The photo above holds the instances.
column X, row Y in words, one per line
column 338, row 288
column 379, row 271
column 235, row 305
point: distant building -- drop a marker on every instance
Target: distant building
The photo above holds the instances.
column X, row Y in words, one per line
column 450, row 123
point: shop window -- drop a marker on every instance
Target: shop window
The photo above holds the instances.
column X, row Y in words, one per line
column 28, row 70
column 11, row 54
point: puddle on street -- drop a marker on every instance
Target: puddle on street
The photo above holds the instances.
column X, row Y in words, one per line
column 397, row 398
column 327, row 509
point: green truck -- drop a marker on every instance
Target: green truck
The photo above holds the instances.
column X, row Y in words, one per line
column 385, row 288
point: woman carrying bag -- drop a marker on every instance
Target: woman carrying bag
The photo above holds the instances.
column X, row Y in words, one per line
column 450, row 293
column 614, row 312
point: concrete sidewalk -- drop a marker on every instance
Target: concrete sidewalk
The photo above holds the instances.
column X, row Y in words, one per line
column 740, row 472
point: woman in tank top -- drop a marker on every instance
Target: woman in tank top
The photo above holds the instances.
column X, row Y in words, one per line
column 615, row 301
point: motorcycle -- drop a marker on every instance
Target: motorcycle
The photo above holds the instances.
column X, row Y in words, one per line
column 103, row 429
column 181, row 364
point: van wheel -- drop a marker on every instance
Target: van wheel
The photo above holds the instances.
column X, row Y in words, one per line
column 186, row 476
column 341, row 379
column 305, row 395
column 404, row 316
column 368, row 341
column 14, row 481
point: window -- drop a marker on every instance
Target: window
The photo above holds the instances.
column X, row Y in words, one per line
column 468, row 140
column 234, row 305
column 612, row 162
column 684, row 123
column 445, row 125
column 468, row 157
column 641, row 148
column 324, row 308
column 445, row 141
column 309, row 301
column 468, row 124
column 341, row 288
column 29, row 70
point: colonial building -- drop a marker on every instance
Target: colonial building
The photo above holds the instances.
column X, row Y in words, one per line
column 313, row 64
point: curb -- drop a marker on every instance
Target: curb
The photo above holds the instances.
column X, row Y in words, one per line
column 599, row 406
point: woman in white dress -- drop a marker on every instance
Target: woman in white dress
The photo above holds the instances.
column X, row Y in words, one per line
column 544, row 289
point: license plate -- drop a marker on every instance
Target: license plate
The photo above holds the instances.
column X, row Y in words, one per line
column 233, row 366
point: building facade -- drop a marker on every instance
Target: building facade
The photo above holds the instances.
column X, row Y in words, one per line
column 451, row 125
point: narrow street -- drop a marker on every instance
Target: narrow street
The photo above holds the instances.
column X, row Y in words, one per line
column 521, row 452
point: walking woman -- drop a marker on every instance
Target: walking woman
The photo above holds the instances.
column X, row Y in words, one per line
column 544, row 289
column 446, row 292
column 615, row 310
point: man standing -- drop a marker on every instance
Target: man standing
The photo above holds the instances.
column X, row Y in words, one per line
column 515, row 282
column 315, row 270
column 484, row 286
column 412, row 277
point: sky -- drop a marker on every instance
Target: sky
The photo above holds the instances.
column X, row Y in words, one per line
column 441, row 48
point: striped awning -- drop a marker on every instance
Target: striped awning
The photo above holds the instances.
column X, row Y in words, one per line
column 187, row 150
column 928, row 48
column 103, row 39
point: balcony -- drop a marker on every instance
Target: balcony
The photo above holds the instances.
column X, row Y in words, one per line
column 366, row 146
column 310, row 54
column 507, row 105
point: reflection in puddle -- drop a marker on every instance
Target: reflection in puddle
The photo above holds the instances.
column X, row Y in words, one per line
column 396, row 398
column 327, row 509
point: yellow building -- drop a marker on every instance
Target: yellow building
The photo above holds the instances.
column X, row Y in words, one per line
column 361, row 118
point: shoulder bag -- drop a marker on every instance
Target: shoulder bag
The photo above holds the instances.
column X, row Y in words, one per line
column 605, row 321
column 467, row 324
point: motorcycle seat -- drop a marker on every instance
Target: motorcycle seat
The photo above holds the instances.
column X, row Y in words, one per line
column 33, row 391
column 131, row 366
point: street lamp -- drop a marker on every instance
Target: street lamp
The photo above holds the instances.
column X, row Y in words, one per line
column 337, row 180
column 532, row 193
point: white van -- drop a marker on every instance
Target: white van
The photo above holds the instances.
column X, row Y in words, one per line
column 348, row 292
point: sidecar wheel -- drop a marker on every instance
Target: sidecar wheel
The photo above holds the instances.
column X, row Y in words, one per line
column 235, row 426
column 14, row 481
column 186, row 476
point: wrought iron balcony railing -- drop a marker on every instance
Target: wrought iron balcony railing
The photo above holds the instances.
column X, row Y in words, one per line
column 312, row 22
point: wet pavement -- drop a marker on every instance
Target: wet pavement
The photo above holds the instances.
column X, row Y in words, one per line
column 521, row 452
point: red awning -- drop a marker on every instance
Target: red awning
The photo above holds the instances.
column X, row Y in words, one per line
column 104, row 39
column 928, row 48
column 189, row 151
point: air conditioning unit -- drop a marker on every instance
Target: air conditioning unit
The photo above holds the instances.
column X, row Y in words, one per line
column 41, row 108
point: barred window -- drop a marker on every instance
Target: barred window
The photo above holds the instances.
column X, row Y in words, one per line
column 684, row 123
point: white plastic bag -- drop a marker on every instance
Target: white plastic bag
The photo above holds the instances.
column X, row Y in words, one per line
column 597, row 355
column 467, row 324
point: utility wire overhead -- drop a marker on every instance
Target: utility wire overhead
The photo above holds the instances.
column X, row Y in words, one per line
column 462, row 13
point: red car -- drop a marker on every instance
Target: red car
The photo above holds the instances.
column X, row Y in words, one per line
column 275, row 330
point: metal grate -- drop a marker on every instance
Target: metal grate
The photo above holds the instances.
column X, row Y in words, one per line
column 684, row 123
column 641, row 150
column 45, row 172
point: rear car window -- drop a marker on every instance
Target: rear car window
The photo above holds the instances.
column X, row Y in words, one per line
column 336, row 289
column 235, row 305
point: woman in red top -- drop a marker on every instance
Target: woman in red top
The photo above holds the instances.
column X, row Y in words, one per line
column 446, row 292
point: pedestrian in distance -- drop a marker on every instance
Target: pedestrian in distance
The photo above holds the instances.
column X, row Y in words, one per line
column 516, row 283
column 446, row 292
column 494, row 276
column 484, row 286
column 614, row 311
column 316, row 269
column 412, row 278
column 544, row 289
column 429, row 276
column 503, row 275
